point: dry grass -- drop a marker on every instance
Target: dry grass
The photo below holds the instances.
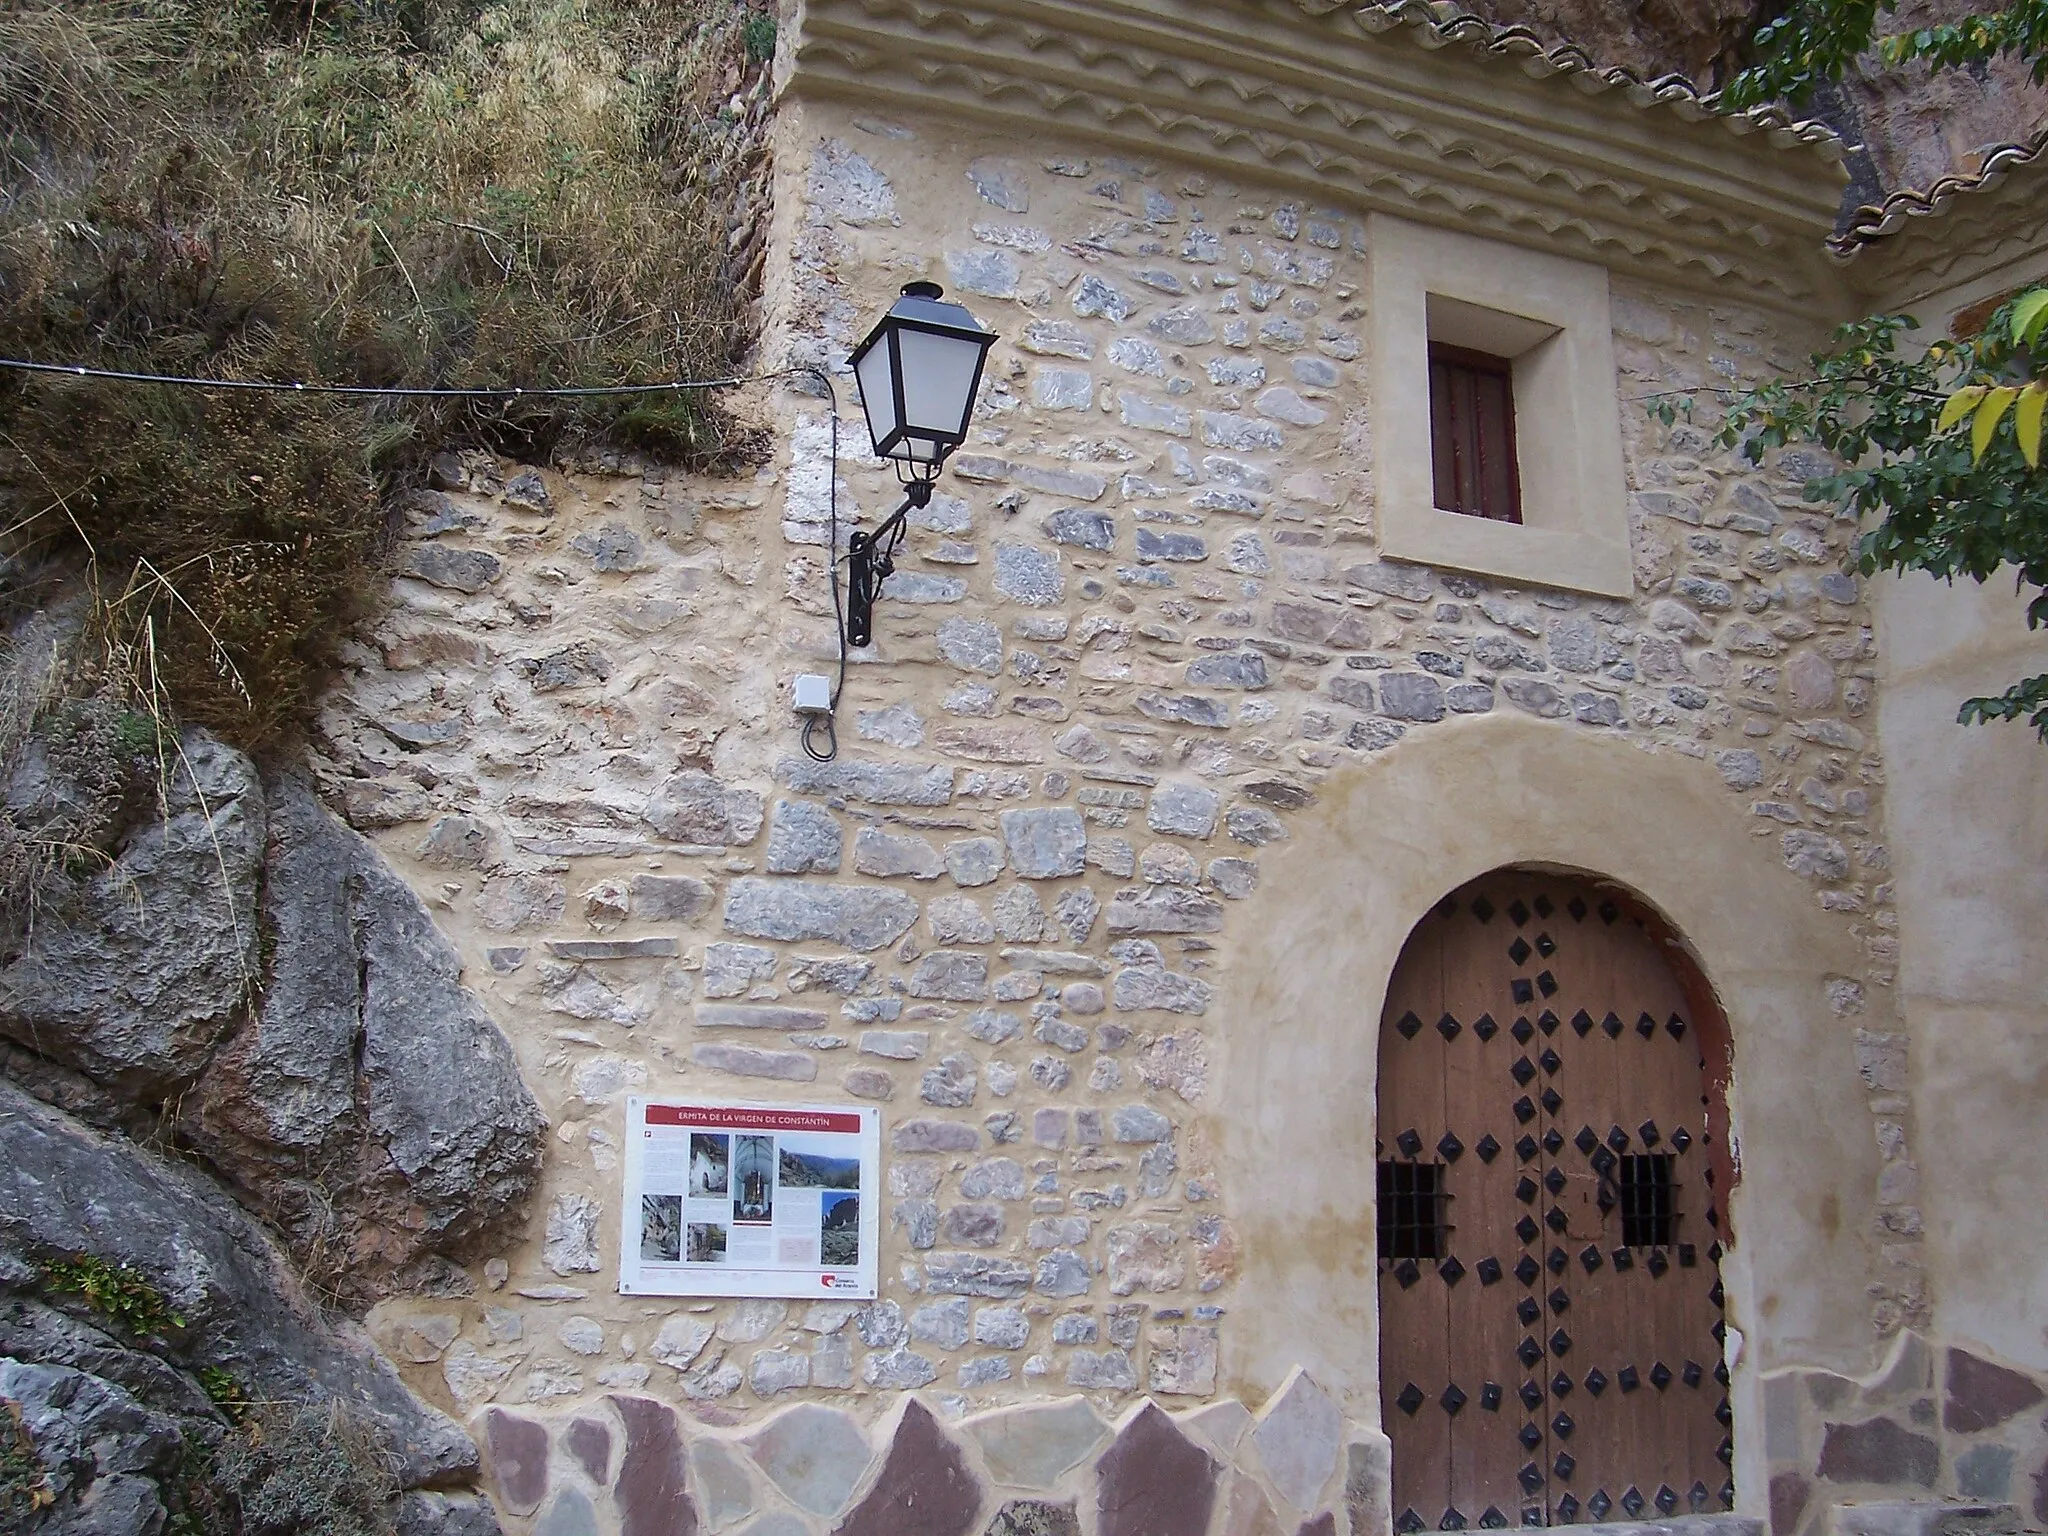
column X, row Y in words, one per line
column 416, row 192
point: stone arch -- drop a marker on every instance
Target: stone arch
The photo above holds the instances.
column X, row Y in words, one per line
column 1297, row 1055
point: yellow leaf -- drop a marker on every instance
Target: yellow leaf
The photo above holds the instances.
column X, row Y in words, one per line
column 2026, row 421
column 1995, row 405
column 2028, row 317
column 1959, row 405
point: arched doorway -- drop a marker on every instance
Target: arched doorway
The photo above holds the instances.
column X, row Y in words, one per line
column 1552, row 1173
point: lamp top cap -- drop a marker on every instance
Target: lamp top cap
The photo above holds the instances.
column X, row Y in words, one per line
column 923, row 288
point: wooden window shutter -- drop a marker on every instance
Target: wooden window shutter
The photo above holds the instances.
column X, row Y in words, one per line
column 1472, row 433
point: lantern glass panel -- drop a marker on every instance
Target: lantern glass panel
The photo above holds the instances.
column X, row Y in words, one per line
column 938, row 378
column 876, row 375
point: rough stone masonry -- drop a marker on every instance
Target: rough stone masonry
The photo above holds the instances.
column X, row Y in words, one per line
column 1140, row 624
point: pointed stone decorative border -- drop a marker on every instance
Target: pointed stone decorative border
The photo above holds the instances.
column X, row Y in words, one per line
column 632, row 1466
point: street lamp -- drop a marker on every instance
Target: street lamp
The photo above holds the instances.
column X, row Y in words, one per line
column 917, row 372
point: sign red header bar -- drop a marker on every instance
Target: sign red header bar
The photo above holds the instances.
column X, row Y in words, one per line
column 732, row 1118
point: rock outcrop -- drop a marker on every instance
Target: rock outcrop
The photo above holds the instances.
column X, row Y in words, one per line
column 248, row 973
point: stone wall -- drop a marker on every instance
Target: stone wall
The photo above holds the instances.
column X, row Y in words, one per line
column 1142, row 627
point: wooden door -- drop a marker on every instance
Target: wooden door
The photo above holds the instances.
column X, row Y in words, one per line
column 1550, row 1148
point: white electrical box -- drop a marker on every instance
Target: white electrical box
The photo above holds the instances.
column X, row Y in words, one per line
column 813, row 694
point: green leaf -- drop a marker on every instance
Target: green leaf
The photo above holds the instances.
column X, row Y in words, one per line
column 1989, row 414
column 2026, row 419
column 2029, row 315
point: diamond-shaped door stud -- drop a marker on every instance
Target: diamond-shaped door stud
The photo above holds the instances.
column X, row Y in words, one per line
column 1568, row 1509
column 1482, row 909
column 1554, row 1180
column 1557, row 1261
column 1520, row 990
column 1546, row 983
column 1697, row 1496
column 1410, row 1399
column 1555, row 1219
column 1543, row 906
column 1623, row 1260
column 1586, row 1141
column 1562, row 1426
column 1518, row 912
column 1409, row 1523
column 1448, row 1027
column 1452, row 1520
column 1525, row 1190
column 1451, row 1270
column 1489, row 1397
column 1522, row 1029
column 1610, row 913
column 1409, row 1143
column 1565, row 1465
column 1596, row 1382
column 1407, row 1272
column 1525, row 1110
column 1531, row 1437
column 1603, row 1164
column 1598, row 1505
column 1546, row 946
column 1577, row 907
column 1525, row 1149
column 1408, row 1025
column 1725, row 1453
column 1560, row 1385
column 1666, row 1499
column 1484, row 1027
column 1656, row 1263
column 1716, row 1295
column 1453, row 1399
column 1646, row 1026
column 1449, row 1148
column 1493, row 1519
column 1691, row 1374
column 1519, row 950
column 1723, row 1414
column 1560, row 1342
column 1689, row 1258
column 1628, row 1379
column 1550, row 1061
column 1530, row 1477
column 1559, row 1301
column 1633, row 1501
column 1589, row 1258
column 1617, row 1138
column 1727, row 1494
column 1660, row 1376
column 1528, row 1351
column 1531, row 1395
column 1488, row 1149
column 1527, row 1310
column 1522, row 1070
column 1551, row 1102
column 1488, row 1271
column 1675, row 1027
column 1527, row 1269
column 1681, row 1138
column 1582, row 1023
column 1526, row 1230
column 1547, row 1022
column 1612, row 1025
column 1648, row 1134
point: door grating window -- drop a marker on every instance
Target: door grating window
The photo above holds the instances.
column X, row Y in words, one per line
column 1411, row 1210
column 1649, row 1215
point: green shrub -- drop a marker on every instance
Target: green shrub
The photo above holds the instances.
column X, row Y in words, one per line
column 424, row 193
column 117, row 1292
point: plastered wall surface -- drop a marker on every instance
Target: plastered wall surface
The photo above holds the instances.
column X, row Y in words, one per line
column 1150, row 768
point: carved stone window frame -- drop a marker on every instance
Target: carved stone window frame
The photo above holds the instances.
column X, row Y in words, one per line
column 1551, row 316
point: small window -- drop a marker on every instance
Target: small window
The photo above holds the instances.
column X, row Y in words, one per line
column 1411, row 1210
column 1472, row 433
column 1649, row 1215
